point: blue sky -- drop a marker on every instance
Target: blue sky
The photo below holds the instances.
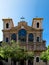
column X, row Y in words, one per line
column 15, row 9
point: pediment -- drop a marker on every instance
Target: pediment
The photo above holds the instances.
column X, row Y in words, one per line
column 29, row 28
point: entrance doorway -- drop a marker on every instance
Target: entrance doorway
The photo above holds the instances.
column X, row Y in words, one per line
column 1, row 63
column 30, row 62
column 22, row 62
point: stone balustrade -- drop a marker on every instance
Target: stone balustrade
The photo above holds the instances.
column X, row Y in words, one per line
column 35, row 46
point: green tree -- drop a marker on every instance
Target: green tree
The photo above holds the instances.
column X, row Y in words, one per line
column 45, row 55
column 1, row 53
column 14, row 51
column 18, row 53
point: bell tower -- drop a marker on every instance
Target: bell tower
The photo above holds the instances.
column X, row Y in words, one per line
column 37, row 23
column 7, row 23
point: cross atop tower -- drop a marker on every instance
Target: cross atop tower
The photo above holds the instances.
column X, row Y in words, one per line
column 22, row 18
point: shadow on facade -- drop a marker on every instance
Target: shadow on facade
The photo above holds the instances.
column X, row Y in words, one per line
column 1, row 63
column 23, row 62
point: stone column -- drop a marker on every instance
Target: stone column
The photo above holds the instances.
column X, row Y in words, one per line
column 34, row 41
column 34, row 46
column 17, row 63
column 9, row 61
column 27, row 41
column 3, row 37
column 34, row 37
column 17, row 37
column 34, row 61
column 9, row 38
column 26, row 62
column 41, row 37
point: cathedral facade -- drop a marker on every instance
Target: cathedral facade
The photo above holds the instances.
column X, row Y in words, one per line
column 28, row 36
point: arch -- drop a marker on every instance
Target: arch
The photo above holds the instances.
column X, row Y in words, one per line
column 1, row 62
column 30, row 62
column 13, row 37
column 31, row 37
column 22, row 62
column 37, row 24
column 7, row 25
column 38, row 39
column 37, row 59
column 22, row 35
column 7, row 39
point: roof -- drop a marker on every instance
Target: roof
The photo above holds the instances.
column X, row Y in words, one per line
column 37, row 18
column 6, row 19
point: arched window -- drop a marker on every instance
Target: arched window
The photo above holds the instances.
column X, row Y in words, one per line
column 22, row 35
column 38, row 39
column 37, row 59
column 37, row 24
column 13, row 37
column 7, row 39
column 30, row 37
column 7, row 25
